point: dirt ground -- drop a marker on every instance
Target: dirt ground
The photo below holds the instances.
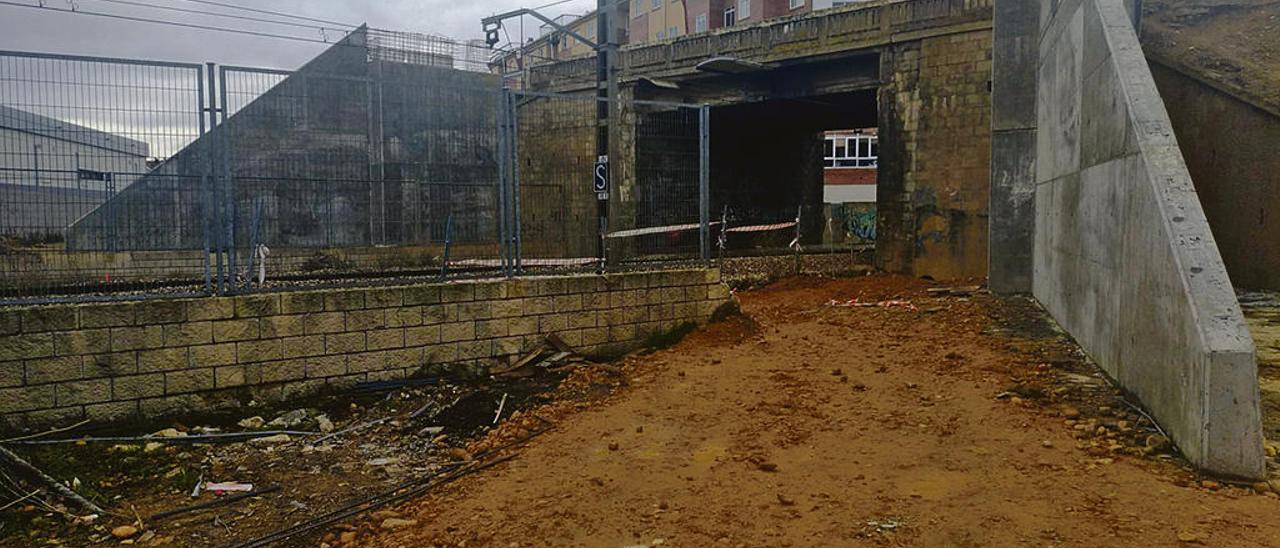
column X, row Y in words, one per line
column 1233, row 42
column 951, row 421
column 1262, row 312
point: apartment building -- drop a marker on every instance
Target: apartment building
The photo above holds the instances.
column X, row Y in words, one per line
column 656, row 20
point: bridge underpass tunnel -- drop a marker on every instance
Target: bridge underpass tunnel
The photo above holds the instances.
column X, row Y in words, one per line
column 814, row 155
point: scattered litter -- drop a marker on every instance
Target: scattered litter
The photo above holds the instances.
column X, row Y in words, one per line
column 324, row 424
column 964, row 291
column 884, row 526
column 501, row 406
column 169, row 433
column 252, row 423
column 269, row 440
column 124, row 531
column 230, row 487
column 292, row 419
column 224, row 501
column 855, row 303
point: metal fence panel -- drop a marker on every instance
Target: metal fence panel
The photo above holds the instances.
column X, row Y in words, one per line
column 658, row 170
column 90, row 201
column 390, row 156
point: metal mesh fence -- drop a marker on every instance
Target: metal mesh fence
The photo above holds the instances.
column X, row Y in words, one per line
column 657, row 171
column 390, row 156
column 86, row 146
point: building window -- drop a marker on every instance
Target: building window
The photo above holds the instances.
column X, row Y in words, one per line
column 797, row 4
column 657, row 4
column 700, row 23
column 744, row 10
column 673, row 32
column 662, row 35
column 730, row 16
column 859, row 150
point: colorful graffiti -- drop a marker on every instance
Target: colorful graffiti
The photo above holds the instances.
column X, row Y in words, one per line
column 861, row 224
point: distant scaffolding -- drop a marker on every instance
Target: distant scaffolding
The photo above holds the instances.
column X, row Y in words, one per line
column 424, row 49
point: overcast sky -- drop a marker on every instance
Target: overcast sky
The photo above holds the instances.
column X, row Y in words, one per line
column 48, row 31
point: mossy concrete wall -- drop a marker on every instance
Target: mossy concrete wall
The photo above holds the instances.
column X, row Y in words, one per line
column 152, row 359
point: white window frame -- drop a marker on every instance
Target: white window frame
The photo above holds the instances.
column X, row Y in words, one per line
column 744, row 9
column 857, row 153
column 730, row 16
column 700, row 23
column 797, row 4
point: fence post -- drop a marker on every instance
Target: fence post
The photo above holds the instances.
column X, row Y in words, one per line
column 204, row 182
column 704, row 181
column 513, row 149
column 503, row 181
column 215, row 207
column 229, row 186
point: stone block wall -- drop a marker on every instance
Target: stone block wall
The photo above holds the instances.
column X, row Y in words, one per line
column 151, row 359
column 935, row 155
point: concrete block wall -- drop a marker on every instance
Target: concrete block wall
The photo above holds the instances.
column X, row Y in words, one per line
column 1124, row 258
column 152, row 359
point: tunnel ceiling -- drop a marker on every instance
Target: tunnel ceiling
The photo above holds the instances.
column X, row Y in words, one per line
column 857, row 109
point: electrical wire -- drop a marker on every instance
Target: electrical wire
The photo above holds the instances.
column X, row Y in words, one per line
column 165, row 22
column 215, row 14
column 195, row 25
column 269, row 12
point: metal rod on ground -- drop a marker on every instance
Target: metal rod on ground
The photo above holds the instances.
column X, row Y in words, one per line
column 211, row 504
column 47, row 433
column 406, row 490
column 350, row 430
column 14, row 462
column 19, row 501
column 231, row 437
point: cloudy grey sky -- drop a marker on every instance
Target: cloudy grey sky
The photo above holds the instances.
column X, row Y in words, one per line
column 49, row 31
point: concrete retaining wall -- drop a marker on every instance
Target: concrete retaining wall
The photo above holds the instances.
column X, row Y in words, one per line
column 1124, row 259
column 1229, row 145
column 149, row 360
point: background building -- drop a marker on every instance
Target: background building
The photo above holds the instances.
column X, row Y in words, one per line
column 53, row 172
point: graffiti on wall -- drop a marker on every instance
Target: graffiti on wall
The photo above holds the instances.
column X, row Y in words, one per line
column 853, row 223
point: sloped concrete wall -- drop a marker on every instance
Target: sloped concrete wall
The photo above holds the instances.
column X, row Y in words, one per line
column 1124, row 259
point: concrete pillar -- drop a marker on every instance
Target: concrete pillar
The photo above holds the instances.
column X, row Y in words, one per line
column 1013, row 145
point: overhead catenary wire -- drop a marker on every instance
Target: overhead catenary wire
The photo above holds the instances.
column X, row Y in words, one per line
column 193, row 25
column 269, row 12
column 149, row 5
column 164, row 22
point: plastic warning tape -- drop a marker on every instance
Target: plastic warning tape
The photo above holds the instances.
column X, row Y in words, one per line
column 761, row 228
column 656, row 230
column 573, row 261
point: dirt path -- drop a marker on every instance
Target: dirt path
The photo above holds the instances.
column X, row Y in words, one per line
column 825, row 426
